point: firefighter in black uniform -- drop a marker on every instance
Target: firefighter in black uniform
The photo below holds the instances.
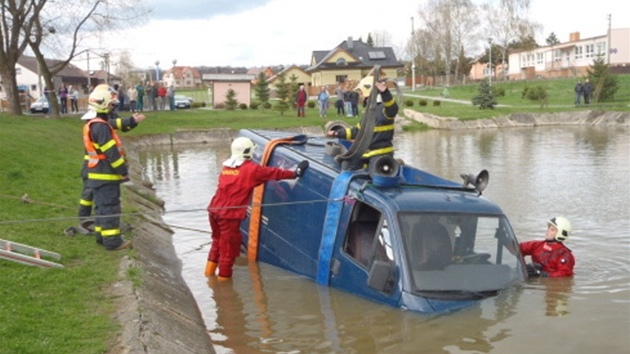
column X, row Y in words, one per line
column 381, row 143
column 105, row 166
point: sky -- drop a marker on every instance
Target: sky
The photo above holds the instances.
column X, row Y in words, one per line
column 260, row 33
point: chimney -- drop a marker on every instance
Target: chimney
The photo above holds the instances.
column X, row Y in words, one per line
column 350, row 43
column 574, row 36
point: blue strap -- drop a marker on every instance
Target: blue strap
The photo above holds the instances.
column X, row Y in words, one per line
column 331, row 225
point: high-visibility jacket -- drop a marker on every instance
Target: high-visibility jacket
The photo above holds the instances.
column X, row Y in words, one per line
column 104, row 154
column 556, row 258
column 383, row 130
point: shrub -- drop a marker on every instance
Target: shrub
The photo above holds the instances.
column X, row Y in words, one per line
column 408, row 103
column 266, row 105
column 198, row 104
column 498, row 91
column 253, row 105
column 311, row 104
column 242, row 106
column 537, row 94
column 437, row 103
column 219, row 105
column 422, row 102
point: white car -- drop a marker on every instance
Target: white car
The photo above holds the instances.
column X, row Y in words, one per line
column 182, row 102
column 40, row 105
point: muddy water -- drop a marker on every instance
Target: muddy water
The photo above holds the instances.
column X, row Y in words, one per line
column 582, row 173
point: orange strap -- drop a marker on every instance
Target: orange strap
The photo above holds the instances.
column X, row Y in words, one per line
column 257, row 198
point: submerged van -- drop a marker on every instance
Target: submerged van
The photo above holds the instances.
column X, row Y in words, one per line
column 405, row 238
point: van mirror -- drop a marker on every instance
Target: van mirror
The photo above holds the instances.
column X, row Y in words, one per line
column 380, row 273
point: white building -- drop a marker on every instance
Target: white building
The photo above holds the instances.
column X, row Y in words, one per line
column 572, row 58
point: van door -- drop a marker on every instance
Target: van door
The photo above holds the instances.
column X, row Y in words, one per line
column 366, row 245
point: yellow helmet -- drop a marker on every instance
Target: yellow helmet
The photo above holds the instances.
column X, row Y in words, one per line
column 564, row 228
column 101, row 97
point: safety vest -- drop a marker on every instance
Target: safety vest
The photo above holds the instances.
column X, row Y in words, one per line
column 94, row 153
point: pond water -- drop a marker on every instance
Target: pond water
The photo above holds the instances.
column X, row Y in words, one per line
column 582, row 173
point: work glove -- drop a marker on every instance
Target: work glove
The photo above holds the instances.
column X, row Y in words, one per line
column 301, row 167
column 535, row 270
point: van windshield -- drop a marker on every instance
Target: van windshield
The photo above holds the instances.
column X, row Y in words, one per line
column 459, row 256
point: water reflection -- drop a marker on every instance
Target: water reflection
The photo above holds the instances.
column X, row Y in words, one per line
column 582, row 173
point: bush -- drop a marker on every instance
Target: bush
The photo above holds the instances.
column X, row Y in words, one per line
column 220, row 105
column 437, row 103
column 310, row 104
column 266, row 105
column 198, row 104
column 498, row 91
column 253, row 105
column 422, row 102
column 537, row 94
column 408, row 103
column 242, row 106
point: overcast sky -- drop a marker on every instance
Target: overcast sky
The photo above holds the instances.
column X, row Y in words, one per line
column 273, row 32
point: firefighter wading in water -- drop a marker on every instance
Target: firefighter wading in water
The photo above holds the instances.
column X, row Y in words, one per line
column 227, row 208
column 105, row 167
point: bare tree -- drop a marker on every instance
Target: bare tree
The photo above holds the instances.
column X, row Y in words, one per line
column 509, row 23
column 16, row 15
column 59, row 29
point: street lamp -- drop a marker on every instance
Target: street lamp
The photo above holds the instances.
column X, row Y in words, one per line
column 413, row 58
column 490, row 61
column 157, row 70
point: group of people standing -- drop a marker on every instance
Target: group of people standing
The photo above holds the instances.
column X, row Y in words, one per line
column 583, row 90
column 66, row 93
column 347, row 103
column 152, row 95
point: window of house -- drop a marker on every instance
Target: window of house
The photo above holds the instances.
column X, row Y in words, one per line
column 589, row 49
column 341, row 62
column 341, row 78
column 539, row 58
column 557, row 55
column 579, row 51
column 601, row 48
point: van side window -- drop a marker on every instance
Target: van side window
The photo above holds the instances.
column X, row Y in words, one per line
column 365, row 240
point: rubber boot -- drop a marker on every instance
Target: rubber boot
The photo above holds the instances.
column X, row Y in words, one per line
column 211, row 268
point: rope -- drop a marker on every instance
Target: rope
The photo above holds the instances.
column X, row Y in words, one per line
column 30, row 201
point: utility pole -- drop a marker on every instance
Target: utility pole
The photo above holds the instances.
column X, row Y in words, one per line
column 413, row 58
column 490, row 61
column 608, row 45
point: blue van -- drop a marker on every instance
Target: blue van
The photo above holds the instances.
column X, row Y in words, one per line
column 407, row 238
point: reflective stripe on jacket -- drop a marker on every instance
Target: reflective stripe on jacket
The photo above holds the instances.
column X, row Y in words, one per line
column 104, row 154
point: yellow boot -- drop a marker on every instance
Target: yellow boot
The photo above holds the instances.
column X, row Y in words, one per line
column 211, row 268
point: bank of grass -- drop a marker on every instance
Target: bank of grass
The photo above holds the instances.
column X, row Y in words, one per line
column 560, row 92
column 70, row 310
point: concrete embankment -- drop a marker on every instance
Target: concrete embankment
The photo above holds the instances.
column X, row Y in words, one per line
column 158, row 312
column 595, row 118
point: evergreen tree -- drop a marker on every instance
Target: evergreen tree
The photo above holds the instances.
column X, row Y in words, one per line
column 552, row 39
column 261, row 90
column 370, row 41
column 283, row 89
column 604, row 83
column 485, row 98
column 230, row 100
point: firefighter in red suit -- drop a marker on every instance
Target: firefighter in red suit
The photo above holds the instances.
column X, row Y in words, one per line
column 227, row 208
column 550, row 257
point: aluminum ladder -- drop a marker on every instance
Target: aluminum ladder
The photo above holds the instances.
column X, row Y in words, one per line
column 28, row 255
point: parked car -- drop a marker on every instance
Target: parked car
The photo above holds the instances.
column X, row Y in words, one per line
column 41, row 105
column 182, row 102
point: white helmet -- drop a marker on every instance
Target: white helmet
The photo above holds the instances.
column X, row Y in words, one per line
column 564, row 227
column 242, row 149
column 101, row 97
